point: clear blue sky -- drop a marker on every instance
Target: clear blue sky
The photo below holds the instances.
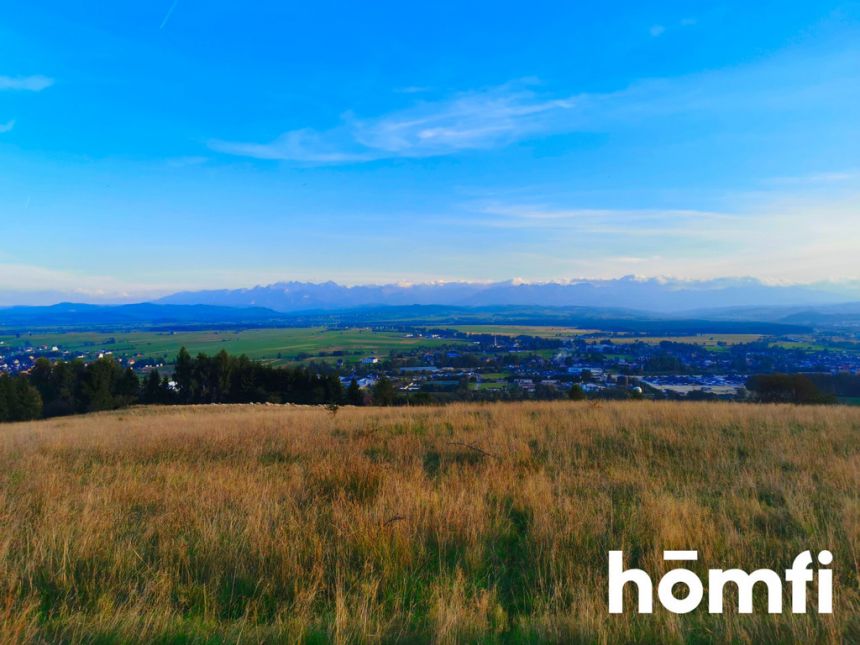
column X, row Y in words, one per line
column 147, row 147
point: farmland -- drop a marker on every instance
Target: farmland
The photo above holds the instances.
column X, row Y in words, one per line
column 523, row 330
column 702, row 340
column 466, row 522
column 278, row 345
column 477, row 362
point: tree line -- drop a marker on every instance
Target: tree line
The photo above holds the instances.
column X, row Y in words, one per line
column 74, row 387
column 788, row 388
column 63, row 388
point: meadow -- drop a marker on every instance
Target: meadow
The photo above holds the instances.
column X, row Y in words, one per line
column 703, row 340
column 539, row 331
column 458, row 524
column 275, row 345
column 565, row 333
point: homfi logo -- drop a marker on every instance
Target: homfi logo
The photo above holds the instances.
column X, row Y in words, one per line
column 768, row 581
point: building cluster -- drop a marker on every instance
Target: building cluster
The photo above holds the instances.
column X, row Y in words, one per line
column 601, row 365
column 508, row 366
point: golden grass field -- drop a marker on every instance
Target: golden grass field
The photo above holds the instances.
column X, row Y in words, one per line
column 458, row 524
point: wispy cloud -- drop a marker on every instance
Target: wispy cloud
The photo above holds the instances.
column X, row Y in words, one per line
column 658, row 29
column 819, row 178
column 305, row 145
column 7, row 127
column 468, row 121
column 185, row 162
column 520, row 110
column 791, row 232
column 25, row 83
column 631, row 223
column 544, row 213
column 36, row 284
column 168, row 15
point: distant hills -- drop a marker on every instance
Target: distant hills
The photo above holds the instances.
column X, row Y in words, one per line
column 652, row 294
column 165, row 317
column 630, row 304
column 68, row 314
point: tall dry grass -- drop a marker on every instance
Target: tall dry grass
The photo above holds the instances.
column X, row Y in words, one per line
column 491, row 523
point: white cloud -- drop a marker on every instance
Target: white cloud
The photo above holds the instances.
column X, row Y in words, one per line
column 532, row 213
column 304, row 145
column 656, row 31
column 468, row 121
column 795, row 235
column 27, row 279
column 818, row 178
column 498, row 116
column 7, row 127
column 25, row 83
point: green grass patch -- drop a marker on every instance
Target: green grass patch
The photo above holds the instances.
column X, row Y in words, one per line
column 277, row 345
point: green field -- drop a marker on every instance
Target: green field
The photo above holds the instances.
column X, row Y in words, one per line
column 492, row 385
column 801, row 345
column 522, row 330
column 276, row 345
column 706, row 340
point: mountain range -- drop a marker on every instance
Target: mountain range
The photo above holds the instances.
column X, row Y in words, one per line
column 651, row 294
column 625, row 304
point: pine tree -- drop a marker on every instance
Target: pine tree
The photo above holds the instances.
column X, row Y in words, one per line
column 383, row 392
column 152, row 388
column 353, row 394
column 5, row 398
column 183, row 374
column 27, row 404
column 127, row 388
column 100, row 384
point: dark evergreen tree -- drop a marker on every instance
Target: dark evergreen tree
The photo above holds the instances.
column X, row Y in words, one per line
column 28, row 399
column 127, row 389
column 98, row 387
column 152, row 388
column 353, row 394
column 5, row 398
column 576, row 393
column 183, row 374
column 19, row 400
column 383, row 392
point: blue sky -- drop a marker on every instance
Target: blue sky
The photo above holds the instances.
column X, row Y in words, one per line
column 184, row 144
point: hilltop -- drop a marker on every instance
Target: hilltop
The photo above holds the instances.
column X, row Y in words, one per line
column 272, row 523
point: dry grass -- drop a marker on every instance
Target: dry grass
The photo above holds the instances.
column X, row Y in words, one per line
column 491, row 523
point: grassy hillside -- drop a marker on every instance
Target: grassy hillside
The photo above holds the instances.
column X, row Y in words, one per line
column 492, row 523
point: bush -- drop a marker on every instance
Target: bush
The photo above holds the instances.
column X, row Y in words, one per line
column 787, row 388
column 576, row 393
